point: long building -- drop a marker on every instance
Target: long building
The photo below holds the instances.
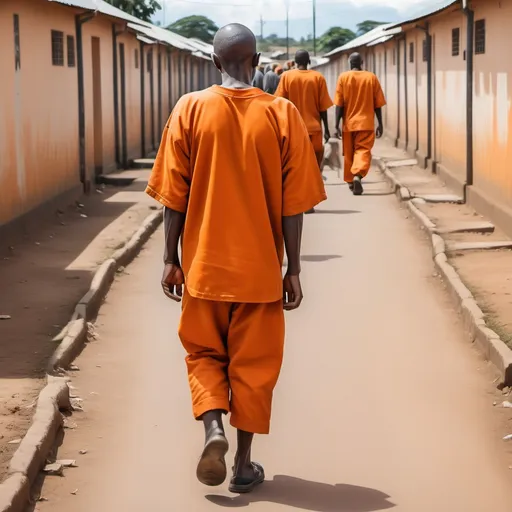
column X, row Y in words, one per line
column 445, row 74
column 85, row 88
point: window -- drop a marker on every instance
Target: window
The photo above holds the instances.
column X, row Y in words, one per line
column 455, row 42
column 150, row 61
column 136, row 58
column 17, row 49
column 57, row 48
column 480, row 37
column 411, row 52
column 425, row 50
column 71, row 52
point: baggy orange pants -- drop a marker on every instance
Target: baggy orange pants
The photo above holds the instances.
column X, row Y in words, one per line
column 234, row 357
column 317, row 140
column 357, row 150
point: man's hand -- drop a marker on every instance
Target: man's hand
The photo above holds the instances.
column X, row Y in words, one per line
column 379, row 131
column 292, row 292
column 338, row 133
column 327, row 136
column 172, row 281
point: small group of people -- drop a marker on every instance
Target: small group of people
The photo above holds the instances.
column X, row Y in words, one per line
column 236, row 170
column 267, row 78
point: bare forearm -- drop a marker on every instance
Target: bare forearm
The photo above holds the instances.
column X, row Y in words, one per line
column 173, row 226
column 292, row 232
column 339, row 116
column 325, row 121
column 378, row 113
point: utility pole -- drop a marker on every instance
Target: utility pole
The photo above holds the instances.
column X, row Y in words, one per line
column 261, row 27
column 314, row 28
column 287, row 29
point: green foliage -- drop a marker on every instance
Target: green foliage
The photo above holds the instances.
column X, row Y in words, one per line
column 198, row 27
column 334, row 38
column 142, row 9
column 366, row 26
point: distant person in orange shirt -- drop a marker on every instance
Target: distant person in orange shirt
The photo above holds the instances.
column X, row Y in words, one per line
column 307, row 90
column 359, row 98
column 235, row 171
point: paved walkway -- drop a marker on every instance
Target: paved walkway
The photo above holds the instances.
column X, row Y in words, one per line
column 381, row 405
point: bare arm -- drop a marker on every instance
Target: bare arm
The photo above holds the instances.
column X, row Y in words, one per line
column 340, row 111
column 380, row 128
column 292, row 232
column 325, row 121
column 173, row 278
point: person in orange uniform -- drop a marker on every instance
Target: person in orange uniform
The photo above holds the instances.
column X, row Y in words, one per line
column 235, row 171
column 359, row 98
column 307, row 90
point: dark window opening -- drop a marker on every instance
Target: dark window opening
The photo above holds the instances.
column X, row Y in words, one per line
column 425, row 50
column 394, row 57
column 57, row 48
column 71, row 52
column 17, row 49
column 480, row 37
column 150, row 61
column 136, row 55
column 455, row 42
column 411, row 52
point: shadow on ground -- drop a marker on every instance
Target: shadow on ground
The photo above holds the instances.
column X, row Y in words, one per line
column 336, row 212
column 307, row 495
column 319, row 258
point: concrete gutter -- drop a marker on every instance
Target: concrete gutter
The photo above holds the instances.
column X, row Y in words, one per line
column 487, row 341
column 40, row 439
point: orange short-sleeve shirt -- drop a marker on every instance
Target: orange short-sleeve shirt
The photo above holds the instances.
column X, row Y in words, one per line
column 236, row 161
column 307, row 90
column 359, row 93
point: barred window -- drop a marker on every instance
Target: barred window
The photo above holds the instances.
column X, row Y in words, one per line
column 71, row 52
column 455, row 42
column 425, row 50
column 411, row 52
column 480, row 37
column 57, row 48
column 136, row 58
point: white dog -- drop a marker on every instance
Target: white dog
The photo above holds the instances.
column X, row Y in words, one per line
column 332, row 156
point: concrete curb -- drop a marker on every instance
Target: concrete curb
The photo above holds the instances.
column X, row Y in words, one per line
column 486, row 340
column 39, row 441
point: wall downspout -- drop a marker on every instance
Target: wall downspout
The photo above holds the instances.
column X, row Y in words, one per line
column 406, row 95
column 470, row 14
column 80, row 19
column 428, row 36
column 142, row 102
column 397, row 60
column 116, row 93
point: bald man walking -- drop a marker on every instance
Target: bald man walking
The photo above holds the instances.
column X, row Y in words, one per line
column 235, row 172
column 359, row 98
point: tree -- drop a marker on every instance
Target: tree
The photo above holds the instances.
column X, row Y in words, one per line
column 142, row 9
column 366, row 26
column 334, row 38
column 198, row 27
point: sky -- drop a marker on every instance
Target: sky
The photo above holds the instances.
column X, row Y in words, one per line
column 344, row 13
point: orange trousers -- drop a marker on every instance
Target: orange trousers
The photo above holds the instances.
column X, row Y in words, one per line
column 317, row 139
column 357, row 150
column 234, row 357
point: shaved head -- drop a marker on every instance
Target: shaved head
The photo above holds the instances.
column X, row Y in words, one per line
column 234, row 44
column 356, row 61
column 302, row 58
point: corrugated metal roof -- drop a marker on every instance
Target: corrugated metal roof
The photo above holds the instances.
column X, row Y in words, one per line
column 383, row 39
column 439, row 7
column 162, row 35
column 365, row 39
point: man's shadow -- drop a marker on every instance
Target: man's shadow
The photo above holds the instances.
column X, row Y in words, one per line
column 307, row 495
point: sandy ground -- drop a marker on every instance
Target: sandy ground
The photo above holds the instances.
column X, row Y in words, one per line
column 43, row 276
column 382, row 404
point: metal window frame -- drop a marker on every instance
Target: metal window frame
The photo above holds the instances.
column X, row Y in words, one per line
column 70, row 51
column 480, row 31
column 455, row 42
column 57, row 60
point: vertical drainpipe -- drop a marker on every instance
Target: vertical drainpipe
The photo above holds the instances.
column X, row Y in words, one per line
column 406, row 95
column 397, row 60
column 124, row 135
column 169, row 78
column 152, row 96
column 428, row 36
column 116, row 93
column 80, row 19
column 142, row 102
column 159, row 90
column 470, row 14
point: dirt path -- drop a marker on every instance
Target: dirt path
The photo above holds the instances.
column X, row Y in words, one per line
column 381, row 405
column 42, row 276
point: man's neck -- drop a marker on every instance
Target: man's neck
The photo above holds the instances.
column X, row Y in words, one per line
column 302, row 68
column 355, row 68
column 237, row 80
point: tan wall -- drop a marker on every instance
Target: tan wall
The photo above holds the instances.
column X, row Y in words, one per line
column 449, row 101
column 492, row 103
column 38, row 105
